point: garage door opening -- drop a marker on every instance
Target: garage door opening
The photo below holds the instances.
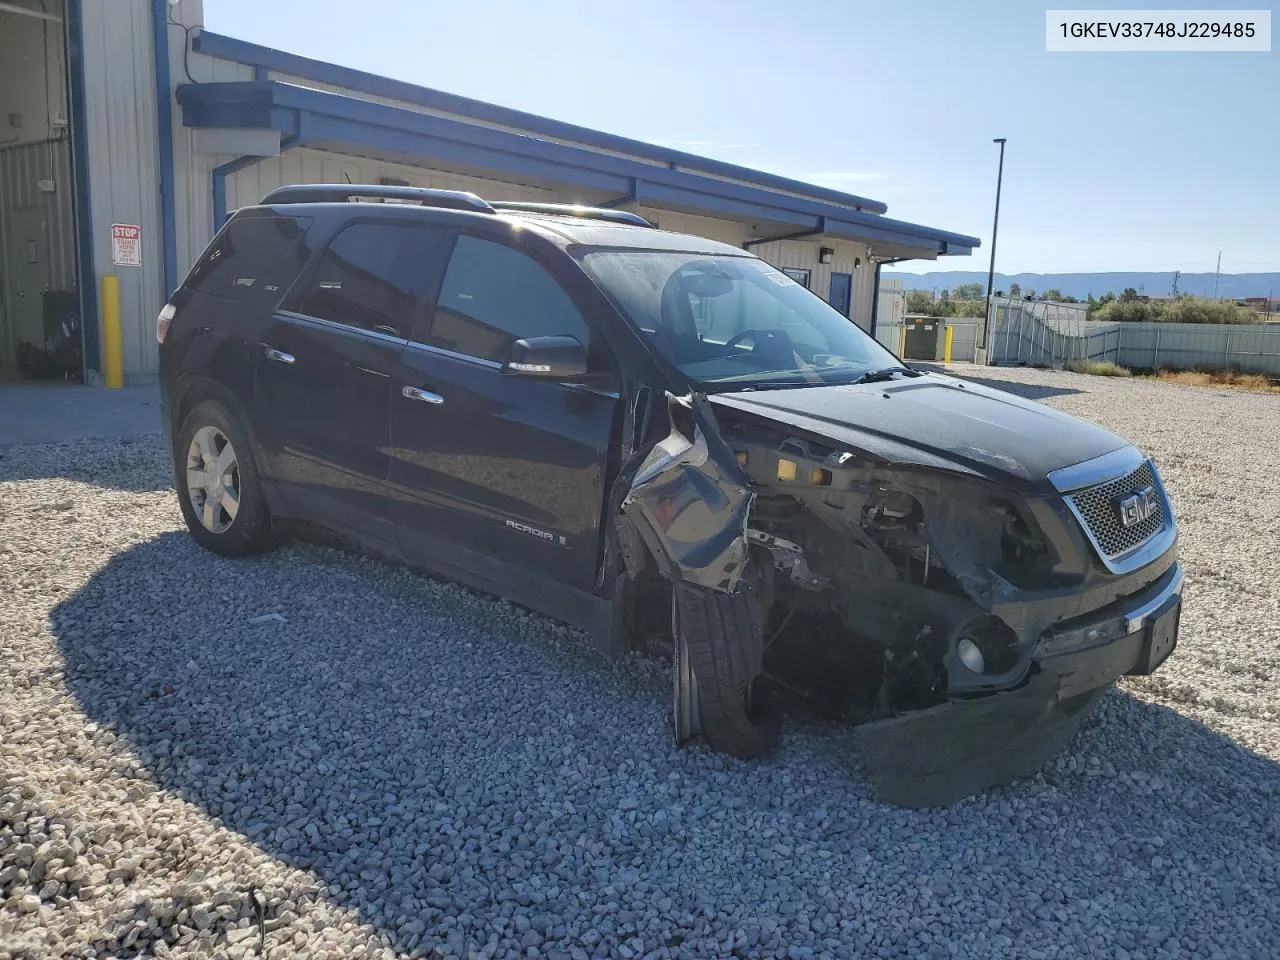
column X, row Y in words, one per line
column 41, row 327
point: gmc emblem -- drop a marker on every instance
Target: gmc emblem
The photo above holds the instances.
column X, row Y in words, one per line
column 1137, row 506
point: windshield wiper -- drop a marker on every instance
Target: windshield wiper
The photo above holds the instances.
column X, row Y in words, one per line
column 885, row 373
column 776, row 385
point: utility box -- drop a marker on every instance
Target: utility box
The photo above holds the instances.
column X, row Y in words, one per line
column 924, row 338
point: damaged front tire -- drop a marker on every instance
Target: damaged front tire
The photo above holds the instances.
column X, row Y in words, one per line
column 719, row 649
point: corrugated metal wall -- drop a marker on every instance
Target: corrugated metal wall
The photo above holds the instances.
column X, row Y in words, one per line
column 123, row 166
column 1022, row 334
column 21, row 170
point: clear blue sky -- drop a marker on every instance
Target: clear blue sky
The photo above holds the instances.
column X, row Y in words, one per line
column 1115, row 161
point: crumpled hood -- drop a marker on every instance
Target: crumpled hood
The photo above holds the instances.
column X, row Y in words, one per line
column 936, row 421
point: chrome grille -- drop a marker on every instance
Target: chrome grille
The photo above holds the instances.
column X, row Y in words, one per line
column 1096, row 508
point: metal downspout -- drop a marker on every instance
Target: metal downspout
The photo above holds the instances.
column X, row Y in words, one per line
column 221, row 172
column 798, row 235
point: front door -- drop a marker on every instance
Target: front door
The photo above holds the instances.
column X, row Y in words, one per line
column 499, row 474
column 325, row 372
column 841, row 292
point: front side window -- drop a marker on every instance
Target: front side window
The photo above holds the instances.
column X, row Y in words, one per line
column 729, row 322
column 367, row 277
column 493, row 294
column 253, row 261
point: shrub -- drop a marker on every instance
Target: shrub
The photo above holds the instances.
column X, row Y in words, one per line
column 1181, row 310
column 1099, row 368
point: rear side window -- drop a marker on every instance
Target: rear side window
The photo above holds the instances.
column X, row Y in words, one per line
column 369, row 276
column 493, row 294
column 253, row 261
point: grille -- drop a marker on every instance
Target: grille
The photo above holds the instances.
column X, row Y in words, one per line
column 1096, row 507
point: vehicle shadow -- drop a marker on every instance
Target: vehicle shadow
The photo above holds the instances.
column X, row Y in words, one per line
column 381, row 735
column 132, row 464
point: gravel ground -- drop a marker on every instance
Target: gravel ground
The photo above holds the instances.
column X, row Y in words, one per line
column 406, row 768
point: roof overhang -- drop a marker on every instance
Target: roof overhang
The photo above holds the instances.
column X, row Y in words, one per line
column 337, row 122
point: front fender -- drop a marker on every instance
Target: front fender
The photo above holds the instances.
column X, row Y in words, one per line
column 689, row 500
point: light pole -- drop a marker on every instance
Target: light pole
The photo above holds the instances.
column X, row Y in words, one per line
column 991, row 272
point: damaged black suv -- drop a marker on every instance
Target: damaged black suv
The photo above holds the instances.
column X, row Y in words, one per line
column 649, row 434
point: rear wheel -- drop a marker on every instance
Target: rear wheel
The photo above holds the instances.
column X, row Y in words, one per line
column 720, row 641
column 219, row 487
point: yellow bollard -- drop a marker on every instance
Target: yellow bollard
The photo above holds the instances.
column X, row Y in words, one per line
column 946, row 350
column 112, row 340
column 902, row 349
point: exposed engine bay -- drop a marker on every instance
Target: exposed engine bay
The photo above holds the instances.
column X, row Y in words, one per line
column 896, row 595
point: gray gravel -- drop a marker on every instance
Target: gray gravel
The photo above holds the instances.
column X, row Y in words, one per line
column 406, row 768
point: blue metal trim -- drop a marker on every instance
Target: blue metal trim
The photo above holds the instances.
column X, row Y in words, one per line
column 164, row 130
column 345, row 121
column 220, row 174
column 87, row 277
column 229, row 48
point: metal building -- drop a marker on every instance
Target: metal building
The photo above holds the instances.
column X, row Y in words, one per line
column 101, row 177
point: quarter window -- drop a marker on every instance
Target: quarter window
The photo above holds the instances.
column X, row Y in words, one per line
column 368, row 277
column 253, row 261
column 493, row 294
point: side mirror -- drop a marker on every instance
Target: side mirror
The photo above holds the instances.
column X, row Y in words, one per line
column 555, row 358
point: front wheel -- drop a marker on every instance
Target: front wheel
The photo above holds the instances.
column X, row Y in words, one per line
column 219, row 487
column 719, row 641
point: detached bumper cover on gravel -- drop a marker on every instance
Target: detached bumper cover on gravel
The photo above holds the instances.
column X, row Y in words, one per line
column 941, row 755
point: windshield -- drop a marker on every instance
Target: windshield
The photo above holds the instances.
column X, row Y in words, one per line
column 735, row 322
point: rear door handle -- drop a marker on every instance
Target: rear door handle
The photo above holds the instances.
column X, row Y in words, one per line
column 279, row 356
column 413, row 393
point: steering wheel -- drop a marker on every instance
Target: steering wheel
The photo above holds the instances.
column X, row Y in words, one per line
column 742, row 335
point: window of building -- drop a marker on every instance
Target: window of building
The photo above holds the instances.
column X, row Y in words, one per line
column 493, row 294
column 368, row 277
column 254, row 261
column 799, row 274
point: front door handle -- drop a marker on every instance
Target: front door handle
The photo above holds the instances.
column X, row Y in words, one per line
column 413, row 393
column 279, row 356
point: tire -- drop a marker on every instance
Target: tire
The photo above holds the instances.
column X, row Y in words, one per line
column 222, row 501
column 724, row 636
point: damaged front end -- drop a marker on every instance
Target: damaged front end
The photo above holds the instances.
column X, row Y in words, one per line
column 962, row 619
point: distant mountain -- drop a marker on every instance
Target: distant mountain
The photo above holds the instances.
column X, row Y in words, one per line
column 1082, row 284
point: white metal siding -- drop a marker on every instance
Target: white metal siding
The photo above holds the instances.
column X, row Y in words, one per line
column 248, row 186
column 193, row 172
column 123, row 178
column 804, row 254
column 722, row 230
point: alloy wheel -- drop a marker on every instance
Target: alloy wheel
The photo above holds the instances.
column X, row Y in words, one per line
column 213, row 479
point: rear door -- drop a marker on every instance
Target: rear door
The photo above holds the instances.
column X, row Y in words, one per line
column 507, row 468
column 325, row 372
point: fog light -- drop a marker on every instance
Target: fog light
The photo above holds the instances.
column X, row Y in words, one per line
column 970, row 655
column 987, row 646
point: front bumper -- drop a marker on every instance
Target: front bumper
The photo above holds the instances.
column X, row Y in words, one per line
column 941, row 755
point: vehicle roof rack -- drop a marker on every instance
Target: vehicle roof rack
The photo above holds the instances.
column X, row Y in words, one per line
column 376, row 193
column 574, row 210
